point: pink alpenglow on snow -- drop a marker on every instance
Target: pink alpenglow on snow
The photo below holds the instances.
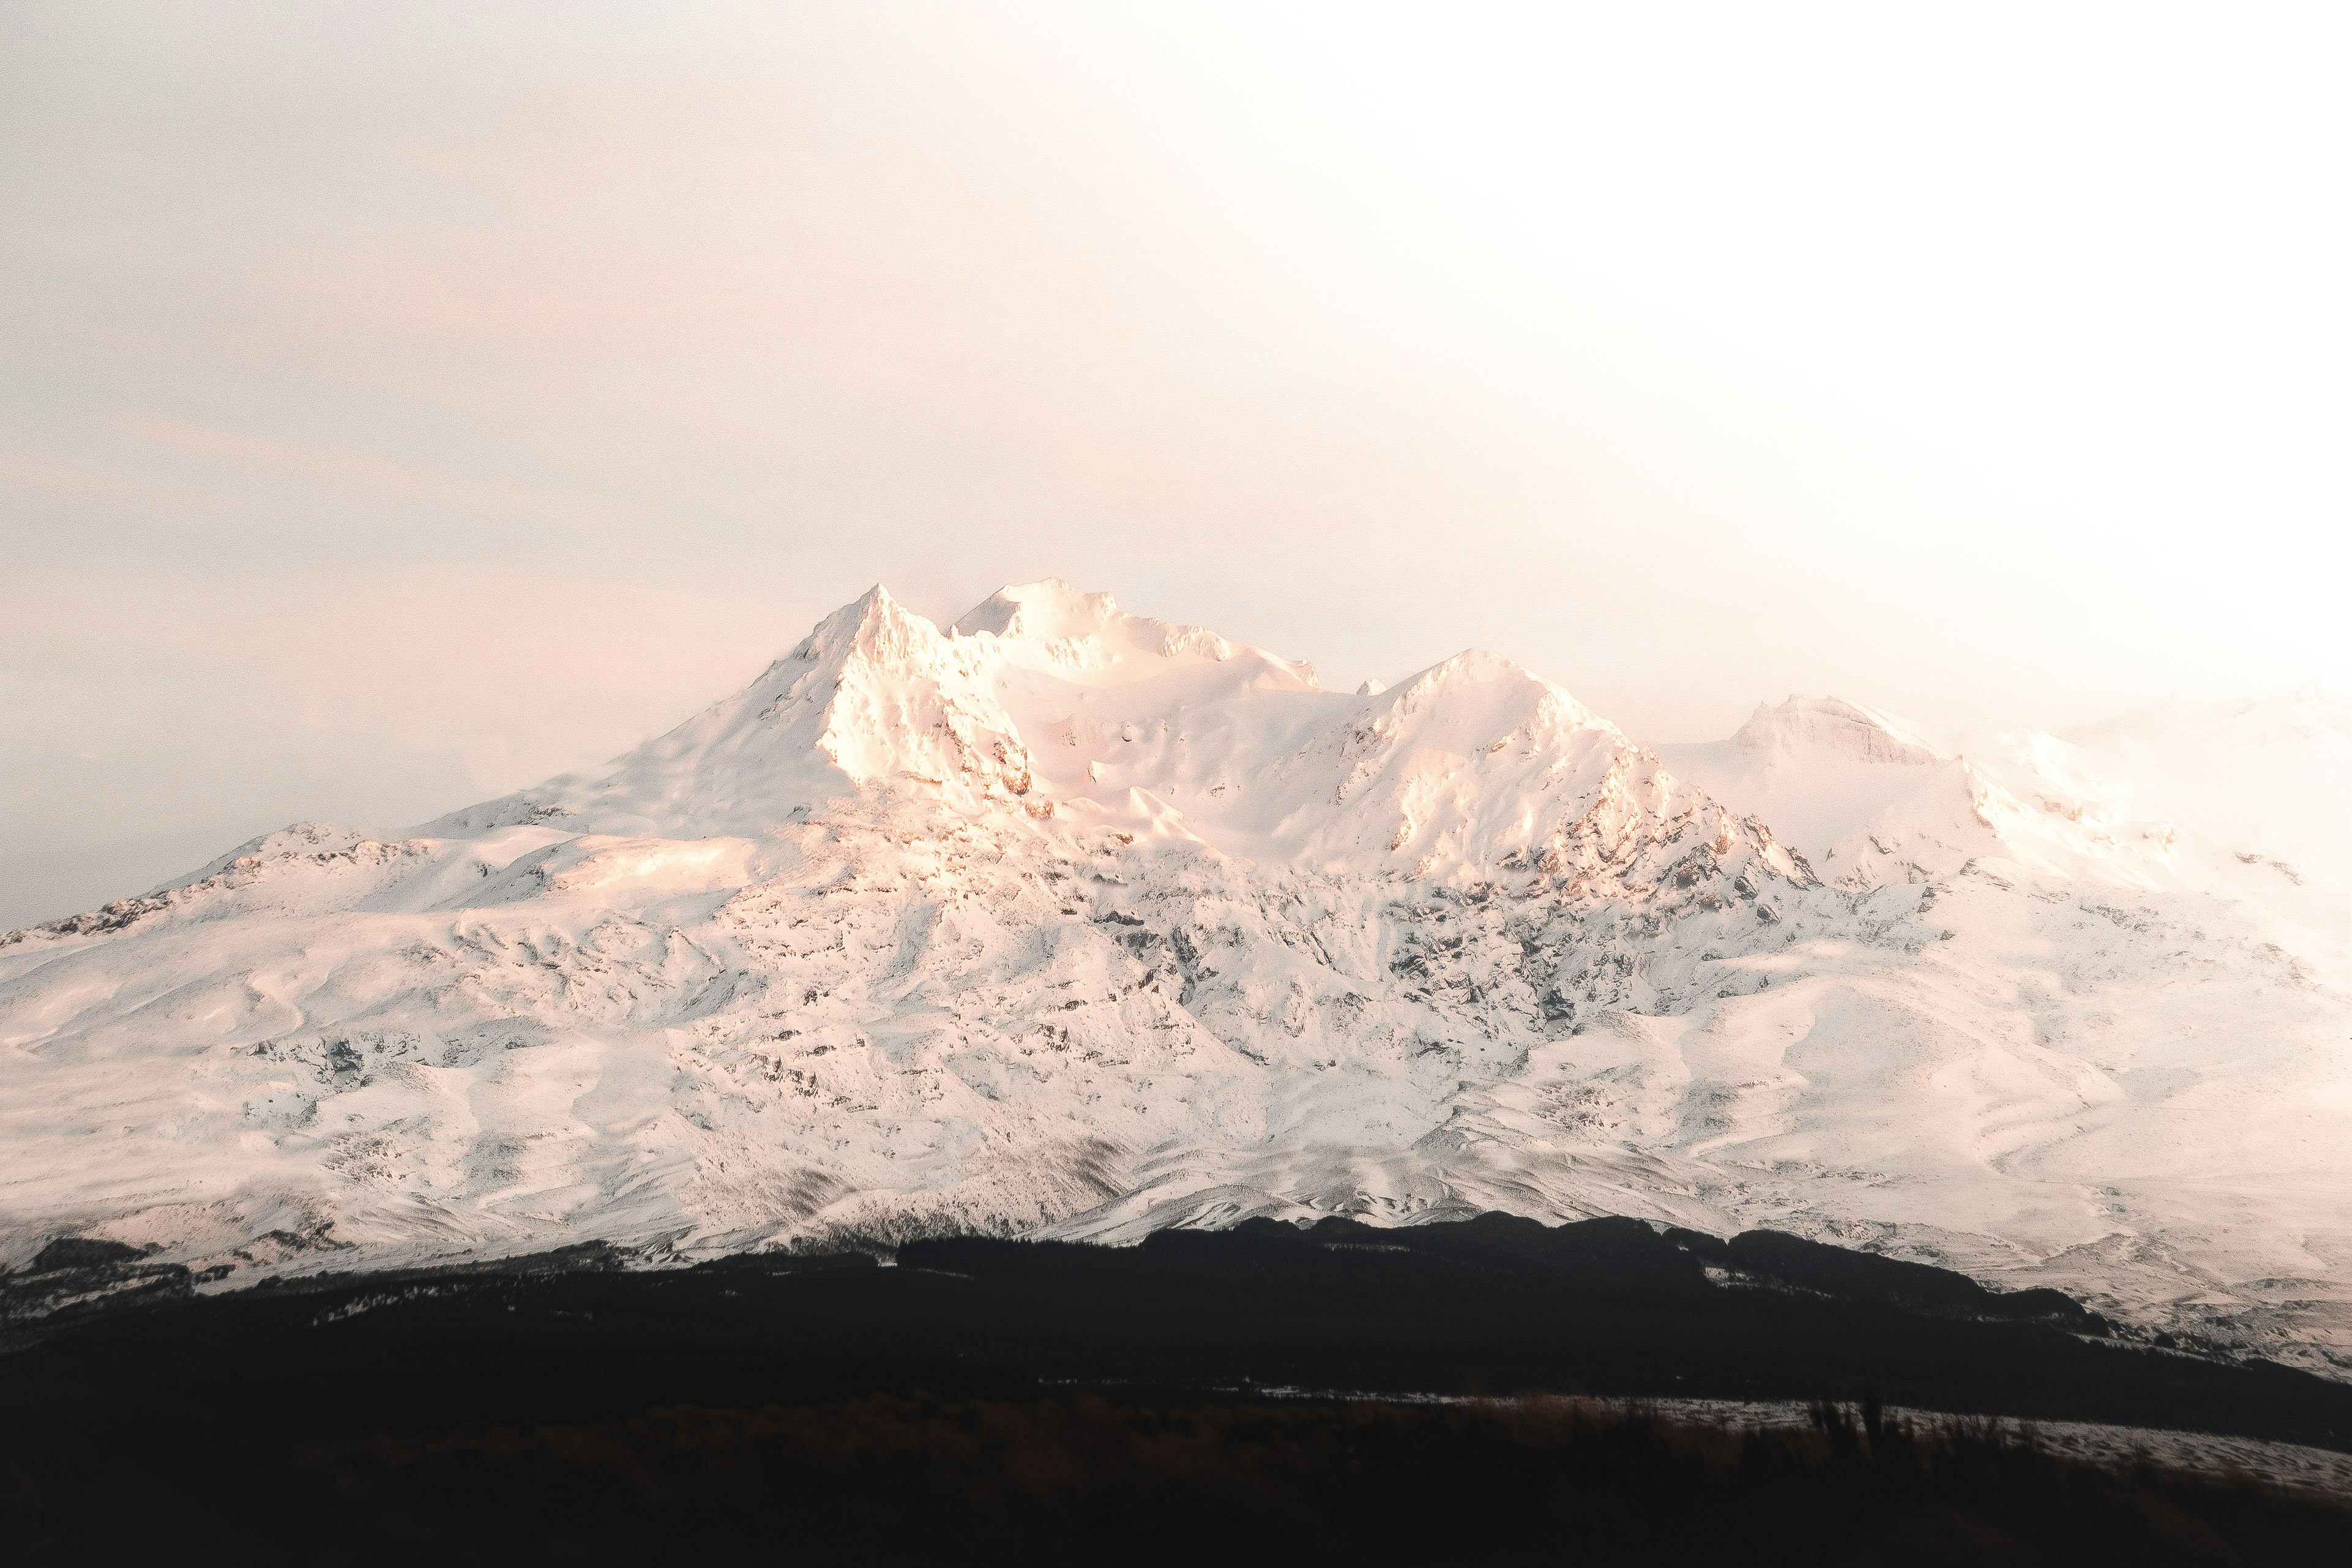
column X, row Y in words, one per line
column 1064, row 920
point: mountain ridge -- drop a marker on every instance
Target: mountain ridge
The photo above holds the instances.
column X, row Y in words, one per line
column 1064, row 921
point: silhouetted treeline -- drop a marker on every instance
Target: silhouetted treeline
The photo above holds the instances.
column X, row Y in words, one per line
column 888, row 1480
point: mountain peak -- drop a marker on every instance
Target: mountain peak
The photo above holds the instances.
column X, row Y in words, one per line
column 1074, row 630
column 1041, row 612
column 875, row 693
column 1832, row 726
column 873, row 623
column 1481, row 670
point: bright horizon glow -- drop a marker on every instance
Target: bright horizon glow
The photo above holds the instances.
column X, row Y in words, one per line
column 404, row 407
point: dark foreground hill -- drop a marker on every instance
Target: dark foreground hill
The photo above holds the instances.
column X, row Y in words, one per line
column 989, row 1386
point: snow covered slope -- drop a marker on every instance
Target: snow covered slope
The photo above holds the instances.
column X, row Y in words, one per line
column 1067, row 919
column 1876, row 799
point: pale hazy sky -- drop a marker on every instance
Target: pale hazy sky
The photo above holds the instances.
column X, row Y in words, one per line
column 399, row 404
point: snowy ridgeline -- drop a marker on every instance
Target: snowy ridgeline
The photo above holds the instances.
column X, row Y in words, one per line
column 1067, row 920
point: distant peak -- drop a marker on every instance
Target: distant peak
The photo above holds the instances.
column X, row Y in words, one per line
column 1371, row 687
column 1472, row 667
column 1478, row 670
column 1835, row 727
column 1040, row 611
column 1076, row 627
column 1472, row 664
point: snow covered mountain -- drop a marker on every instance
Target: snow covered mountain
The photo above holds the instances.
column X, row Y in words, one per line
column 1065, row 920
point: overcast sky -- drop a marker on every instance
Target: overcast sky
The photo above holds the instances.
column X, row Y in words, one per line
column 399, row 404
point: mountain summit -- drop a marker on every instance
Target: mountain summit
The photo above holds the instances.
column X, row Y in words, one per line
column 1830, row 726
column 1067, row 920
column 875, row 694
